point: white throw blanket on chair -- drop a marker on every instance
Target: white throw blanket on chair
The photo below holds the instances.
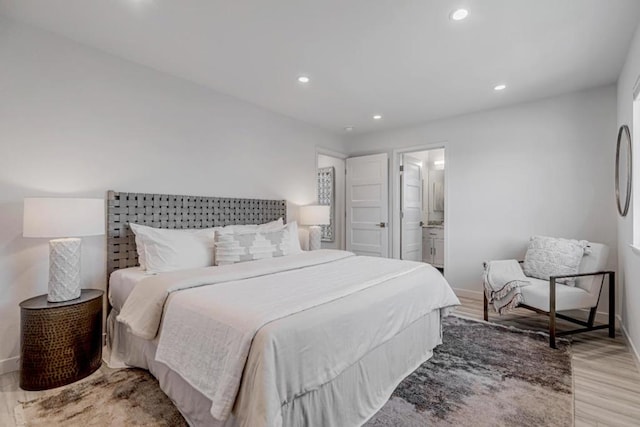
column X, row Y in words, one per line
column 502, row 282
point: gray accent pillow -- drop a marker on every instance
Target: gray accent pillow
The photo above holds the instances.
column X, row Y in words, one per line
column 552, row 256
column 244, row 246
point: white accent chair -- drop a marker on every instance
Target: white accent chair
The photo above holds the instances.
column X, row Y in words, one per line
column 549, row 297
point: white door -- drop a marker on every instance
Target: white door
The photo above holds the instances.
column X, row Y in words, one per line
column 411, row 209
column 368, row 205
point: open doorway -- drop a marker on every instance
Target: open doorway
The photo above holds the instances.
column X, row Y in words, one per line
column 422, row 206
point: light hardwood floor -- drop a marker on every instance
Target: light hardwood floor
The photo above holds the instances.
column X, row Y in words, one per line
column 606, row 378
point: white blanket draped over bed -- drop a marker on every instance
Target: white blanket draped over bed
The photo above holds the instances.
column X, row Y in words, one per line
column 209, row 325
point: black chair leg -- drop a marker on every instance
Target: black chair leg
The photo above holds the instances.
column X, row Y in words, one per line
column 486, row 308
column 612, row 305
column 552, row 313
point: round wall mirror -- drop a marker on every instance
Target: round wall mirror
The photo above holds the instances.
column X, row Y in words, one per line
column 623, row 170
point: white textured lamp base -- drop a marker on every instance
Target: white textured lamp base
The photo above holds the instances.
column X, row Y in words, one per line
column 315, row 233
column 64, row 269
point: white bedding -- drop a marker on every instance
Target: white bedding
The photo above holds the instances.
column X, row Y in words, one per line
column 142, row 311
column 348, row 400
column 122, row 282
column 211, row 358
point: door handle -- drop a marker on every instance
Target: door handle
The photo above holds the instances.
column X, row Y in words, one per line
column 421, row 223
column 381, row 225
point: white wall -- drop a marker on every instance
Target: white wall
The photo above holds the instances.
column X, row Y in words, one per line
column 538, row 168
column 629, row 271
column 338, row 164
column 75, row 121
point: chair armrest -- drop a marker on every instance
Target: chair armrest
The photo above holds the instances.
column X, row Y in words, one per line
column 552, row 295
column 568, row 276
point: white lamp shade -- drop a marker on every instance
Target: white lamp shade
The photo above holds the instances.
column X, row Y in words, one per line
column 315, row 215
column 63, row 217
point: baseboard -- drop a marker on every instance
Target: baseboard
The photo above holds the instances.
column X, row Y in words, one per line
column 9, row 365
column 634, row 349
column 467, row 293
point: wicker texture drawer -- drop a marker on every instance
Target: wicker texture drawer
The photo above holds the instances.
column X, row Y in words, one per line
column 60, row 342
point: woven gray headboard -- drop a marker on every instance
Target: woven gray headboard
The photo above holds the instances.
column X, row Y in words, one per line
column 168, row 211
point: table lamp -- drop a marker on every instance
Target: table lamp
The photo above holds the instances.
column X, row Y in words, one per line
column 66, row 220
column 315, row 216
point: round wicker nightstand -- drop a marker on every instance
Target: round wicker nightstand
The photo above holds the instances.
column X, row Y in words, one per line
column 61, row 342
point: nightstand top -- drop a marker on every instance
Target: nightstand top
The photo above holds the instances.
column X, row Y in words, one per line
column 40, row 302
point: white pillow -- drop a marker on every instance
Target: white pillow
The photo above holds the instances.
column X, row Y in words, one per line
column 250, row 245
column 294, row 247
column 142, row 258
column 161, row 250
column 551, row 256
column 267, row 226
column 240, row 228
column 166, row 257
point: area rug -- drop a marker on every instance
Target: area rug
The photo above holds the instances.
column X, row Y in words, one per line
column 485, row 375
column 126, row 397
column 482, row 375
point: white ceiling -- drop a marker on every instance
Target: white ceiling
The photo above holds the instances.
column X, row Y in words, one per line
column 404, row 59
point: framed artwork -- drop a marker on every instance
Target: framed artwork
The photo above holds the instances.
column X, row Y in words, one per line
column 326, row 192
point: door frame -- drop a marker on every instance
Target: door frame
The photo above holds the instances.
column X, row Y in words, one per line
column 396, row 190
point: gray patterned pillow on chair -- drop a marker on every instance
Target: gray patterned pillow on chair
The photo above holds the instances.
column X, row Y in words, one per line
column 244, row 246
column 552, row 256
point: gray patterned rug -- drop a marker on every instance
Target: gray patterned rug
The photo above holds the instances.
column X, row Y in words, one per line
column 483, row 375
column 125, row 397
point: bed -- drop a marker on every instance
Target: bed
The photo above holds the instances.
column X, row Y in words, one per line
column 310, row 338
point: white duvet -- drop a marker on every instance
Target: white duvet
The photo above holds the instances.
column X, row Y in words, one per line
column 208, row 326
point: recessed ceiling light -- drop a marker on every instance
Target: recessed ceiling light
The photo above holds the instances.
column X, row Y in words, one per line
column 304, row 79
column 377, row 117
column 500, row 87
column 459, row 14
column 348, row 128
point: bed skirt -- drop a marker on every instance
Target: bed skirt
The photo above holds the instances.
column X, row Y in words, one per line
column 350, row 399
